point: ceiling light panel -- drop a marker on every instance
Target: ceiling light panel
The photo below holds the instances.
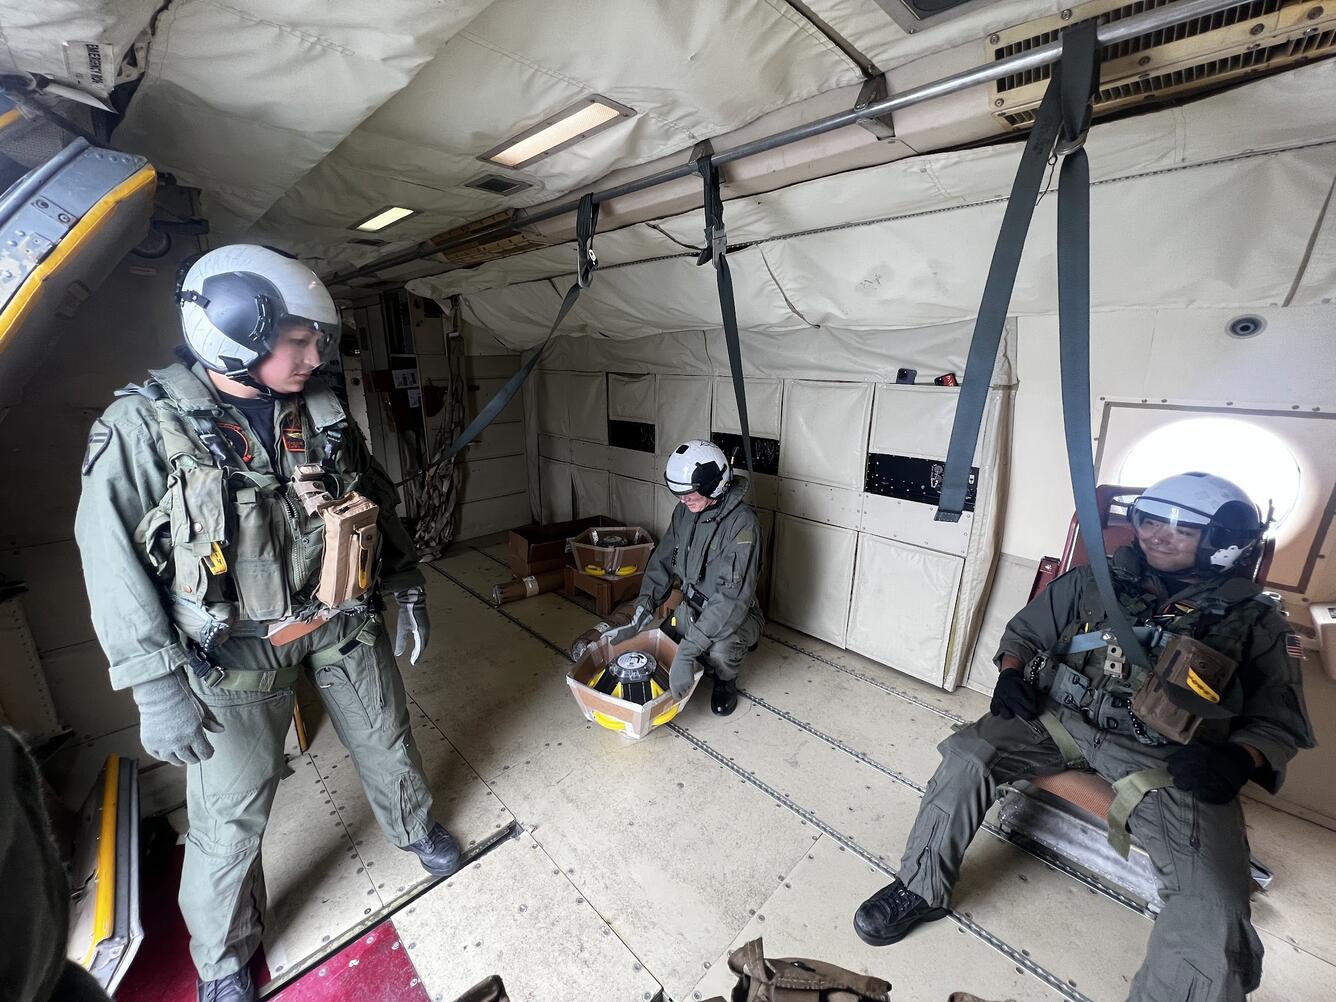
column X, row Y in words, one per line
column 385, row 217
column 581, row 120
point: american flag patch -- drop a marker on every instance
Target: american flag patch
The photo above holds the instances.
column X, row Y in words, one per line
column 1294, row 647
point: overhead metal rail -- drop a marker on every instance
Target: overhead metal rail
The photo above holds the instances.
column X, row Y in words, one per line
column 1046, row 55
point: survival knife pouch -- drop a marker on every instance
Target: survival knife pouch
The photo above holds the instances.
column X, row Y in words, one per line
column 1188, row 685
column 352, row 538
column 792, row 979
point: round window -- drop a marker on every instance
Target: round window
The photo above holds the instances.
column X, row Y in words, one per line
column 1254, row 458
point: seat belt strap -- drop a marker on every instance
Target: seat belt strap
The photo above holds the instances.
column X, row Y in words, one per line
column 716, row 250
column 1070, row 751
column 1128, row 792
column 586, row 224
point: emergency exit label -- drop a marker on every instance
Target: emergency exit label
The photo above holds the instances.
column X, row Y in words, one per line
column 92, row 65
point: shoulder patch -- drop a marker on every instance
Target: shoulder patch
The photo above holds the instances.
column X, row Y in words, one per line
column 1294, row 647
column 98, row 439
column 745, row 538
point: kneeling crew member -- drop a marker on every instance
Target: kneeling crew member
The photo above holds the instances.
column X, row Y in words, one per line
column 199, row 545
column 1066, row 699
column 713, row 549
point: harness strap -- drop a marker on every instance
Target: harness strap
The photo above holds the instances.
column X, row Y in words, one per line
column 716, row 250
column 335, row 653
column 257, row 681
column 1083, row 642
column 586, row 223
column 1128, row 792
column 1067, row 746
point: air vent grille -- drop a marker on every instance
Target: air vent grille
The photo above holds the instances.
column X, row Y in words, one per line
column 1205, row 52
column 496, row 184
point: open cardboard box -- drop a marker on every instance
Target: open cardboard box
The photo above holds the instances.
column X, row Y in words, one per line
column 597, row 558
column 630, row 719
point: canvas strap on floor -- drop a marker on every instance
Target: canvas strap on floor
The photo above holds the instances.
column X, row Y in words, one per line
column 585, row 224
column 1127, row 794
column 792, row 979
column 716, row 250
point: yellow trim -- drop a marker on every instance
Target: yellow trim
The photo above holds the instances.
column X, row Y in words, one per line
column 13, row 315
column 9, row 118
column 1198, row 685
column 104, row 876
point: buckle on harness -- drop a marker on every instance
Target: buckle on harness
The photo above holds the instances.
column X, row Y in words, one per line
column 1115, row 659
column 1064, row 146
column 205, row 670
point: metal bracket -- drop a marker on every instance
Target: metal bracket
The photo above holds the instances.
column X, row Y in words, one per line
column 874, row 90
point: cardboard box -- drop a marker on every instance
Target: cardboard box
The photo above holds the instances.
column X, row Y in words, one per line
column 630, row 719
column 596, row 557
column 538, row 548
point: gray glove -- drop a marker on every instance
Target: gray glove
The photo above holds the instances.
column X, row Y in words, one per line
column 640, row 621
column 413, row 622
column 172, row 720
column 681, row 674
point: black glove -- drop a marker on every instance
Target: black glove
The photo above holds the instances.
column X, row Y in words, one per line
column 1014, row 697
column 1215, row 773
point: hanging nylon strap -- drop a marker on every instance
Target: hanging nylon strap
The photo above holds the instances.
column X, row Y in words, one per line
column 586, row 224
column 1060, row 130
column 716, row 250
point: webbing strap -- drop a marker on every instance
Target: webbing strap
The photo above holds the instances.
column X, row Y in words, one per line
column 1067, row 746
column 1094, row 639
column 335, row 653
column 256, row 681
column 996, row 300
column 586, row 223
column 716, row 250
column 1127, row 794
column 1078, row 75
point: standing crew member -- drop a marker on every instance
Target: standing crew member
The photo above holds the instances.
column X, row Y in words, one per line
column 713, row 550
column 1067, row 698
column 235, row 531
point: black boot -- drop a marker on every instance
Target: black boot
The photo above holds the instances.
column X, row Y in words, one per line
column 438, row 851
column 888, row 915
column 236, row 987
column 724, row 698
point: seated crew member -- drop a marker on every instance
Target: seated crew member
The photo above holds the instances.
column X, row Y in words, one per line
column 198, row 547
column 1187, row 572
column 713, row 549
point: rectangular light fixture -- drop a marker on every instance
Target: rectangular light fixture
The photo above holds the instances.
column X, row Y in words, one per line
column 581, row 120
column 383, row 218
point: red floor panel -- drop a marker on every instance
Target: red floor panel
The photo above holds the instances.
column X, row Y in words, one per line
column 374, row 968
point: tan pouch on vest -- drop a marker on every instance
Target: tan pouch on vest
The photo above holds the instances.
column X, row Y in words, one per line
column 1189, row 665
column 352, row 542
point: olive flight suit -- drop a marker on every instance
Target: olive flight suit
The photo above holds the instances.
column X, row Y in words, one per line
column 1203, row 946
column 716, row 556
column 170, row 543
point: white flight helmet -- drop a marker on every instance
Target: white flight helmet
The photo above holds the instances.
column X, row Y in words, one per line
column 699, row 466
column 1230, row 523
column 234, row 299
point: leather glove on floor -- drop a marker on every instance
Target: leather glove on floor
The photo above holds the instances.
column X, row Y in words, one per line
column 640, row 621
column 413, row 623
column 1215, row 773
column 1014, row 697
column 173, row 721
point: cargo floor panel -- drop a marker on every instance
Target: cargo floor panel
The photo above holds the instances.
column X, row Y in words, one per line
column 515, row 914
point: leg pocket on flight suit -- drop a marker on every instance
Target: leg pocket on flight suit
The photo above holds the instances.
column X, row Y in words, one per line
column 1191, row 985
column 356, row 685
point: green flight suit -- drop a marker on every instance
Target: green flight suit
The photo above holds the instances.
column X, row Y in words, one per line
column 132, row 587
column 1203, row 946
column 716, row 556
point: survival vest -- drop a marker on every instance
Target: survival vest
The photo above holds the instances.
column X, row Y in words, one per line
column 229, row 543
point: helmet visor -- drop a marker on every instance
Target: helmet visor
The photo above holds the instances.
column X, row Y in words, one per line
column 312, row 341
column 1147, row 508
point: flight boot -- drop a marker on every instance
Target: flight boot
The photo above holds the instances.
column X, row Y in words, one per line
column 888, row 915
column 235, row 987
column 437, row 850
column 724, row 697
